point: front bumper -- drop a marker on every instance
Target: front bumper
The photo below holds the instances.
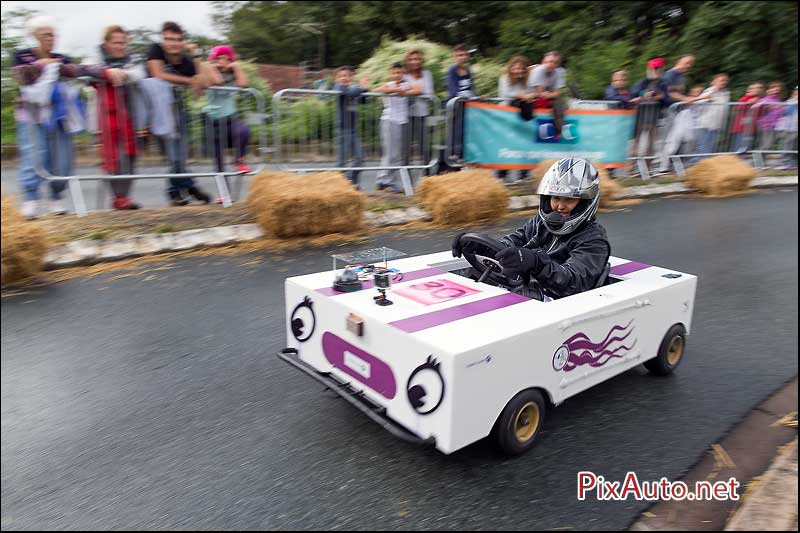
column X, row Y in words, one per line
column 355, row 397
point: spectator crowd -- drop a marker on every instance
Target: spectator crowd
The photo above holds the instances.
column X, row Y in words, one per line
column 133, row 95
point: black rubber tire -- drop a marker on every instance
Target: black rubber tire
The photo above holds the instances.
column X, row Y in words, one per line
column 661, row 365
column 504, row 432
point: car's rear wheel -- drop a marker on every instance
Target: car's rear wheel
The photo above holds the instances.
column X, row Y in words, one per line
column 520, row 422
column 670, row 353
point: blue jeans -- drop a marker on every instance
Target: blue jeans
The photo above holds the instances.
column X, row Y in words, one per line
column 789, row 143
column 348, row 145
column 744, row 142
column 708, row 142
column 176, row 150
column 52, row 149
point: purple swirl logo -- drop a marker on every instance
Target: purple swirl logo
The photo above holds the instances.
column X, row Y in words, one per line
column 579, row 350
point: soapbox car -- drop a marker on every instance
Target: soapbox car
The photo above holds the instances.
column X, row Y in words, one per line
column 446, row 351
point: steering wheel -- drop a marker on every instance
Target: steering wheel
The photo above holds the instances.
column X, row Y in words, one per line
column 479, row 251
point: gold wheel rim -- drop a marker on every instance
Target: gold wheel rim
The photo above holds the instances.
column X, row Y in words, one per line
column 526, row 422
column 675, row 351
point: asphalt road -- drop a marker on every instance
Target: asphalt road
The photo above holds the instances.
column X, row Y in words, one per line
column 155, row 401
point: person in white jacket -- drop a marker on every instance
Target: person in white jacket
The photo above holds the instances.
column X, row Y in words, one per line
column 393, row 122
column 418, row 132
column 44, row 138
column 715, row 113
column 514, row 86
column 683, row 130
column 787, row 127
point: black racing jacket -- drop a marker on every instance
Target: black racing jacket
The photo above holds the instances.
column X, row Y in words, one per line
column 574, row 262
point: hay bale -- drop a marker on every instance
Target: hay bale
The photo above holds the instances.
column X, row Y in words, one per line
column 720, row 175
column 287, row 204
column 23, row 245
column 466, row 196
column 609, row 189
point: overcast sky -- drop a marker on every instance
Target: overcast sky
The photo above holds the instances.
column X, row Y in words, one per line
column 80, row 24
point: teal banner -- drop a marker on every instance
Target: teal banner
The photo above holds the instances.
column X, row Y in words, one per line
column 496, row 137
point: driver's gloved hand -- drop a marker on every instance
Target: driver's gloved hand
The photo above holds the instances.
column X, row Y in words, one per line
column 456, row 246
column 518, row 261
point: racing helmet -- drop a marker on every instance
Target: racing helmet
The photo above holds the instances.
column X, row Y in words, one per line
column 570, row 178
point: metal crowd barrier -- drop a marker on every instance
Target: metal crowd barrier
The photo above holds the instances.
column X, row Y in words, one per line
column 313, row 133
column 775, row 131
column 698, row 130
column 695, row 131
column 594, row 104
column 648, row 136
column 202, row 142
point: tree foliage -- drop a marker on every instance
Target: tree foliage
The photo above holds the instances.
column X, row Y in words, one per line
column 749, row 40
column 13, row 31
column 438, row 59
column 272, row 32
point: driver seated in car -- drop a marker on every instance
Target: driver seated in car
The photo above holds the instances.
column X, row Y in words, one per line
column 563, row 248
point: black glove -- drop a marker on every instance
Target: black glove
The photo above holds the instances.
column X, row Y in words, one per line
column 456, row 246
column 518, row 261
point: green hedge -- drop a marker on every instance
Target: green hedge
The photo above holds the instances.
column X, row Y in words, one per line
column 438, row 59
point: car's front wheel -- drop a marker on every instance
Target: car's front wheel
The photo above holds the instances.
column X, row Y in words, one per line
column 520, row 422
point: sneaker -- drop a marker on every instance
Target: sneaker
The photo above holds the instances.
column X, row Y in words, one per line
column 123, row 202
column 57, row 207
column 390, row 187
column 30, row 209
column 243, row 167
column 176, row 199
column 199, row 195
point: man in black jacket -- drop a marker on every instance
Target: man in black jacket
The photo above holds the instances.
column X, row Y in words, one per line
column 348, row 143
column 563, row 248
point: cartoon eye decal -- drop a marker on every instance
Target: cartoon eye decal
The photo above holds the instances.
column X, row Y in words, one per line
column 303, row 320
column 425, row 387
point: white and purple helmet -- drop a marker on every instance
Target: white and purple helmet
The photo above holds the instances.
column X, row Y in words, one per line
column 570, row 178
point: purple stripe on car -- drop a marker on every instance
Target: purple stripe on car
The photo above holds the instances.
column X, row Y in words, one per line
column 399, row 277
column 451, row 314
column 628, row 268
column 360, row 365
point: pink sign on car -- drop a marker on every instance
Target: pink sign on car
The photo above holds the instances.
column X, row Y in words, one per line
column 435, row 291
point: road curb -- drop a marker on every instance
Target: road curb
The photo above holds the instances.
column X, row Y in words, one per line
column 744, row 453
column 772, row 505
column 90, row 252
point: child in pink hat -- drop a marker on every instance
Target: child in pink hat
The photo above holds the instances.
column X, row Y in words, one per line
column 228, row 130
